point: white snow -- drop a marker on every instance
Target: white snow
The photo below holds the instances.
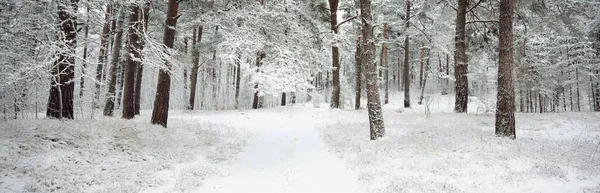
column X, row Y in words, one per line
column 303, row 149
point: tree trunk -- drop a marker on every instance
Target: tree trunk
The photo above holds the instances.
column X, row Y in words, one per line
column 109, row 105
column 422, row 62
column 577, row 89
column 358, row 70
column 85, row 53
column 139, row 65
column 160, row 112
column 256, row 102
column 406, row 71
column 460, row 58
column 283, row 99
column 505, row 113
column 196, row 38
column 60, row 100
column 425, row 74
column 374, row 104
column 237, row 84
column 386, row 66
column 335, row 54
column 102, row 55
column 133, row 50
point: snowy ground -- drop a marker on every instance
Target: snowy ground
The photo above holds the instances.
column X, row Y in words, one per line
column 112, row 155
column 303, row 149
column 458, row 152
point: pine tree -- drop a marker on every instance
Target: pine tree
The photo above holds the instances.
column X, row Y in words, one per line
column 109, row 105
column 60, row 100
column 376, row 124
column 505, row 111
column 160, row 112
column 460, row 58
column 133, row 50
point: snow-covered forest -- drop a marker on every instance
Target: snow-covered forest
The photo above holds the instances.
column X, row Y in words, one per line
column 300, row 96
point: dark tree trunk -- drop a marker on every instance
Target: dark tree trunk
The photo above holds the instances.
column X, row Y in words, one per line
column 460, row 58
column 406, row 71
column 109, row 105
column 60, row 100
column 505, row 112
column 133, row 50
column 102, row 55
column 377, row 128
column 256, row 102
column 596, row 89
column 85, row 53
column 335, row 54
column 139, row 65
column 422, row 62
column 386, row 66
column 196, row 38
column 237, row 84
column 283, row 99
column 160, row 112
column 577, row 89
column 358, row 70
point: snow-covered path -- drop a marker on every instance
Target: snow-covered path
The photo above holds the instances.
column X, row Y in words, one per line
column 284, row 154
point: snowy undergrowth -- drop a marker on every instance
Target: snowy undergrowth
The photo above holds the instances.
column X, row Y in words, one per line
column 459, row 152
column 112, row 155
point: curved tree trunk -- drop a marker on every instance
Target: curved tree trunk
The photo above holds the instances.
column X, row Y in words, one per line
column 160, row 112
column 460, row 57
column 376, row 125
column 60, row 99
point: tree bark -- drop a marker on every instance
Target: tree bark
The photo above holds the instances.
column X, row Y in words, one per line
column 256, row 102
column 133, row 50
column 335, row 54
column 386, row 66
column 376, row 124
column 102, row 55
column 358, row 70
column 196, row 38
column 406, row 71
column 60, row 100
column 460, row 58
column 505, row 112
column 85, row 53
column 109, row 105
column 425, row 74
column 139, row 65
column 160, row 112
column 237, row 84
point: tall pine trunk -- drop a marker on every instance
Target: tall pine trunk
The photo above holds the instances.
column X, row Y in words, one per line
column 386, row 65
column 109, row 105
column 60, row 99
column 377, row 128
column 256, row 101
column 160, row 112
column 196, row 38
column 139, row 72
column 460, row 58
column 505, row 112
column 103, row 53
column 335, row 54
column 406, row 70
column 133, row 50
column 85, row 53
column 358, row 70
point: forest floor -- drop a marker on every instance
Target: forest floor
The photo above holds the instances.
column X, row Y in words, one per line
column 303, row 149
